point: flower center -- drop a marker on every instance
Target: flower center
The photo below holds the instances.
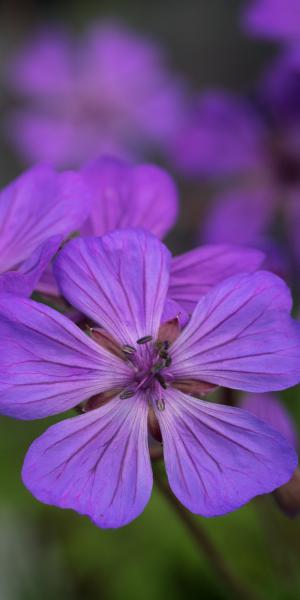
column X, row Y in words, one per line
column 150, row 364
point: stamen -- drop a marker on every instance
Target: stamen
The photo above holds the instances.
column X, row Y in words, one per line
column 161, row 380
column 145, row 339
column 160, row 404
column 168, row 361
column 128, row 349
column 127, row 394
column 157, row 367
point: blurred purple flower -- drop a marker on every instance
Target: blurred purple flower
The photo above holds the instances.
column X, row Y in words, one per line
column 110, row 93
column 253, row 147
column 135, row 373
column 37, row 212
column 274, row 19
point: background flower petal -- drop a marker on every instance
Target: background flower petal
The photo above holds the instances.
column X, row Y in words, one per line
column 194, row 273
column 125, row 195
column 23, row 281
column 36, row 206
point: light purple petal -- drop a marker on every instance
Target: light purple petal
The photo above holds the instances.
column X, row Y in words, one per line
column 120, row 281
column 241, row 336
column 271, row 410
column 49, row 365
column 125, row 195
column 23, row 281
column 97, row 464
column 36, row 206
column 194, row 273
column 222, row 136
column 239, row 216
column 218, row 457
column 274, row 19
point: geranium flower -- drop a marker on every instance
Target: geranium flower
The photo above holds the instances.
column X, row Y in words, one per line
column 37, row 212
column 136, row 373
column 109, row 93
column 274, row 19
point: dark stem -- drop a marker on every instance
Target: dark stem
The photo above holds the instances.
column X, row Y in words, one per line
column 205, row 544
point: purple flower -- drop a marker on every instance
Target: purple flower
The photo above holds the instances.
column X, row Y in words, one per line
column 37, row 212
column 134, row 373
column 274, row 19
column 271, row 410
column 221, row 135
column 255, row 149
column 110, row 93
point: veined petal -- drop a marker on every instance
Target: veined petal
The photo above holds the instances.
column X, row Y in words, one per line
column 97, row 464
column 125, row 195
column 194, row 273
column 241, row 336
column 47, row 363
column 23, row 281
column 120, row 281
column 218, row 457
column 269, row 409
column 38, row 205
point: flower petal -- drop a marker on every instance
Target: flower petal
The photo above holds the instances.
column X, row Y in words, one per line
column 194, row 273
column 23, row 281
column 120, row 281
column 223, row 135
column 218, row 457
column 97, row 464
column 273, row 19
column 47, row 363
column 125, row 195
column 269, row 409
column 241, row 336
column 38, row 205
column 240, row 216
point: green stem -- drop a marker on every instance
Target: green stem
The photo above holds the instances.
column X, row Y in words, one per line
column 205, row 544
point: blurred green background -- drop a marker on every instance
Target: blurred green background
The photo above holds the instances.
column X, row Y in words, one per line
column 48, row 553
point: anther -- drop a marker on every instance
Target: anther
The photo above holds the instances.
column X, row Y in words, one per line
column 126, row 394
column 160, row 404
column 168, row 361
column 161, row 380
column 157, row 367
column 145, row 339
column 128, row 349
